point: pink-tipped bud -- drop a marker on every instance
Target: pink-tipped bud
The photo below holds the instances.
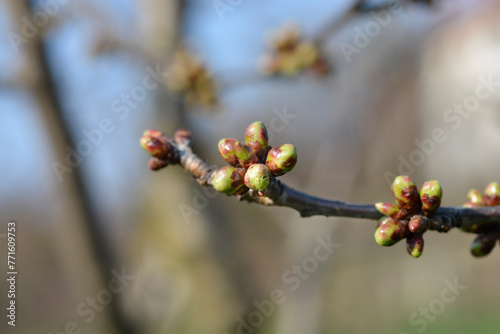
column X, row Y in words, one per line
column 257, row 139
column 183, row 137
column 281, row 159
column 227, row 151
column 492, row 194
column 430, row 195
column 157, row 147
column 387, row 209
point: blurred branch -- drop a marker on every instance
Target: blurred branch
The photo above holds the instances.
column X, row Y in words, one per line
column 359, row 7
column 279, row 194
column 85, row 237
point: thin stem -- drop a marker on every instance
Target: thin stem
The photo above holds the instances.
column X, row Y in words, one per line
column 279, row 194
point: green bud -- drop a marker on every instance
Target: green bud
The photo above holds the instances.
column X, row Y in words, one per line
column 415, row 245
column 474, row 199
column 431, row 195
column 483, row 245
column 281, row 159
column 228, row 180
column 492, row 194
column 389, row 232
column 417, row 224
column 257, row 139
column 227, row 152
column 157, row 147
column 492, row 189
column 257, row 177
column 246, row 156
column 387, row 209
column 405, row 192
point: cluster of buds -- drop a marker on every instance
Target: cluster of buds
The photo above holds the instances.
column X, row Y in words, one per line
column 408, row 217
column 253, row 164
column 290, row 55
column 491, row 196
column 488, row 234
column 162, row 148
column 188, row 77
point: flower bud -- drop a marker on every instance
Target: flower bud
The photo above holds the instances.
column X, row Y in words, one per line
column 257, row 139
column 157, row 164
column 183, row 137
column 387, row 209
column 257, row 177
column 246, row 156
column 158, row 147
column 228, row 180
column 483, row 245
column 281, row 159
column 415, row 245
column 289, row 64
column 307, row 53
column 226, row 151
column 474, row 199
column 430, row 195
column 405, row 192
column 492, row 194
column 417, row 224
column 389, row 232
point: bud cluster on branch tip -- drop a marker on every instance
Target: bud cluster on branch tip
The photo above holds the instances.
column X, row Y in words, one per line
column 491, row 196
column 258, row 161
column 488, row 233
column 189, row 78
column 162, row 149
column 289, row 55
column 409, row 217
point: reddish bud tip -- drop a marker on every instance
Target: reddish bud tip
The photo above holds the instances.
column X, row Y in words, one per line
column 430, row 196
column 227, row 151
column 257, row 139
column 387, row 209
column 492, row 194
column 405, row 191
column 183, row 137
column 474, row 199
column 157, row 164
column 157, row 147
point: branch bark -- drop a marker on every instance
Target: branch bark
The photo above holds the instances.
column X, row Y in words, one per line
column 279, row 194
column 83, row 244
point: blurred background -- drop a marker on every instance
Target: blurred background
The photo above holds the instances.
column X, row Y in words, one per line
column 105, row 245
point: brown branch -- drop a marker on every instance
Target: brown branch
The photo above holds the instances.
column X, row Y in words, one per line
column 82, row 240
column 357, row 8
column 279, row 194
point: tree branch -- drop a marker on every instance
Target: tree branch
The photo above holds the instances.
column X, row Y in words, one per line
column 279, row 194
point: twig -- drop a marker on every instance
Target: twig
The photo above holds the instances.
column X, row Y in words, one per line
column 279, row 194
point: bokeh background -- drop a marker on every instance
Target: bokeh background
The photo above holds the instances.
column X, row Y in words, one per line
column 206, row 271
